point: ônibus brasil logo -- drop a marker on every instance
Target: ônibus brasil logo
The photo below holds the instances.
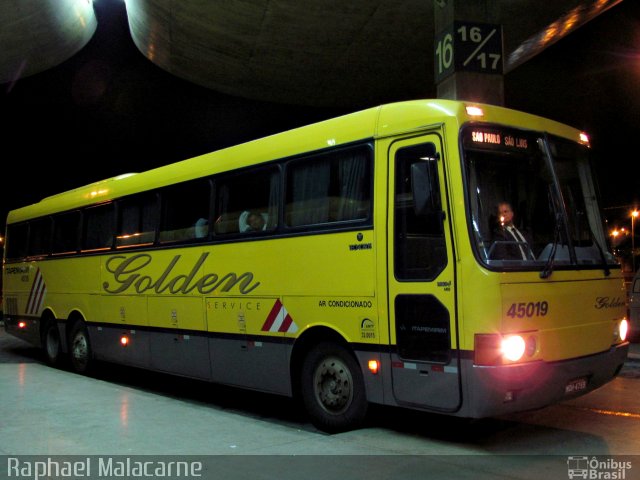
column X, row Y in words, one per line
column 597, row 468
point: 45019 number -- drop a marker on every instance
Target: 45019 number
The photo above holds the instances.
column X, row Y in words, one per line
column 530, row 309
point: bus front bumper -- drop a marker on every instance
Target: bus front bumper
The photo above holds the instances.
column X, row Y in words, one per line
column 498, row 390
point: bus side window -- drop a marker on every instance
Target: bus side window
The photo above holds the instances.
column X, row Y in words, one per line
column 247, row 202
column 138, row 216
column 98, row 227
column 185, row 211
column 65, row 232
column 39, row 237
column 329, row 188
column 17, row 236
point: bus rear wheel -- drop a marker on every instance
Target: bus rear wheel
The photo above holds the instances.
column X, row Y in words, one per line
column 80, row 351
column 51, row 343
column 332, row 388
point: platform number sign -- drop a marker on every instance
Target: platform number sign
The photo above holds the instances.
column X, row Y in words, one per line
column 464, row 46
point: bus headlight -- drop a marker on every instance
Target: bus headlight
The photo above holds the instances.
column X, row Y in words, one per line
column 496, row 349
column 512, row 347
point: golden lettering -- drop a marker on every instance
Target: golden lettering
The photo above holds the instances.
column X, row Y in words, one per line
column 129, row 273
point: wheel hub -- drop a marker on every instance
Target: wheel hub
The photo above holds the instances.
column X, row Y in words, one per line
column 80, row 348
column 333, row 385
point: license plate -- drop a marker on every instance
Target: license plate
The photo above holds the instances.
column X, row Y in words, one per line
column 575, row 385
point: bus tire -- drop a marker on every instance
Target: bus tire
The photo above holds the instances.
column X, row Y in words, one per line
column 332, row 388
column 80, row 352
column 51, row 345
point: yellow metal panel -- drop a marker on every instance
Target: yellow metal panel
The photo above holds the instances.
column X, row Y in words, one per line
column 178, row 312
column 574, row 318
column 355, row 318
column 130, row 310
column 239, row 315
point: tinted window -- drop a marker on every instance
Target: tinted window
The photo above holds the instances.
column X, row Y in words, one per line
column 99, row 226
column 17, row 235
column 138, row 216
column 420, row 252
column 65, row 232
column 185, row 211
column 248, row 202
column 39, row 236
column 422, row 326
column 328, row 188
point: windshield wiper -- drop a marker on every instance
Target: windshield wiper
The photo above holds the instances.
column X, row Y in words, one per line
column 556, row 205
column 548, row 268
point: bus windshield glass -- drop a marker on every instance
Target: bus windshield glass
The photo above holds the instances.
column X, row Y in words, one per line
column 532, row 201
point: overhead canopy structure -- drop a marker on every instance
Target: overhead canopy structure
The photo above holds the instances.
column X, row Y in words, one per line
column 36, row 35
column 331, row 53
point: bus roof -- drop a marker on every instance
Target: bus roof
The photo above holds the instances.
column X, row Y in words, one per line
column 381, row 121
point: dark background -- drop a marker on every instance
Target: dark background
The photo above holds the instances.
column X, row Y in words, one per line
column 108, row 110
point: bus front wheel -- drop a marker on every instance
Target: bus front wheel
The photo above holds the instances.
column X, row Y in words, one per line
column 332, row 388
column 80, row 348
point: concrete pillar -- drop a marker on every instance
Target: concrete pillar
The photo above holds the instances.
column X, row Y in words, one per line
column 485, row 85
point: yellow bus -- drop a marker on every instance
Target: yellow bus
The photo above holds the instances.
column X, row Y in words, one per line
column 349, row 262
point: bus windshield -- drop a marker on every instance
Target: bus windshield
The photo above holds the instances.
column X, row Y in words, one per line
column 532, row 201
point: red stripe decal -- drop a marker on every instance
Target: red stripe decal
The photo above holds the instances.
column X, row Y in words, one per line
column 286, row 323
column 273, row 314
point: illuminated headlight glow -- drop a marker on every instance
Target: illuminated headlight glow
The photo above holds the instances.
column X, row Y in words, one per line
column 496, row 349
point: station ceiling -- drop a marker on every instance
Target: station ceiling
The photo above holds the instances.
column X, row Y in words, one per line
column 329, row 53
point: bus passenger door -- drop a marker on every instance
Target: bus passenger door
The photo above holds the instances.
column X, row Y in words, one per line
column 421, row 287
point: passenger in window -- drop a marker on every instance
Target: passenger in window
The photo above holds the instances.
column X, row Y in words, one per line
column 201, row 228
column 252, row 221
column 509, row 243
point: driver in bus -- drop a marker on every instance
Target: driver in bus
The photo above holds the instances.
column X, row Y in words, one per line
column 510, row 243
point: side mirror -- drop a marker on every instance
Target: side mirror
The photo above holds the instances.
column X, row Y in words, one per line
column 424, row 186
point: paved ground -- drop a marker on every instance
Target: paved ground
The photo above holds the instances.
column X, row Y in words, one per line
column 243, row 434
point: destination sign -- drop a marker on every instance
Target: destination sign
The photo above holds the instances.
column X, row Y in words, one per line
column 498, row 139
